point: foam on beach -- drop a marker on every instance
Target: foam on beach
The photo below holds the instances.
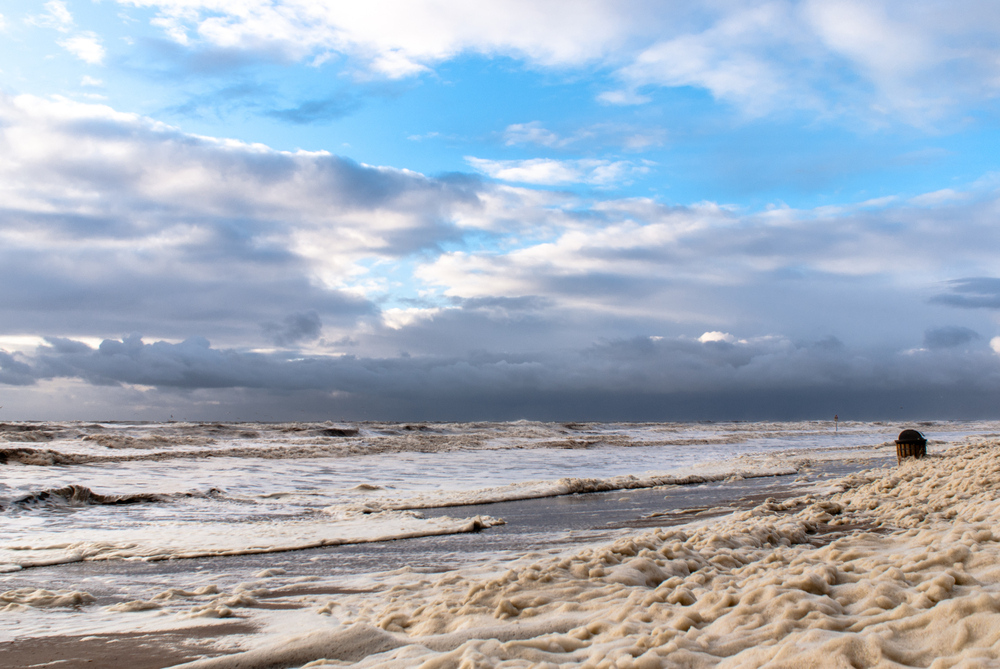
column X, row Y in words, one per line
column 889, row 568
column 170, row 540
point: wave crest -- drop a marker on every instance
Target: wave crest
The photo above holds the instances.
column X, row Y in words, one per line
column 78, row 495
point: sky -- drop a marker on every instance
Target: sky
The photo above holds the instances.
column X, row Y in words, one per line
column 442, row 210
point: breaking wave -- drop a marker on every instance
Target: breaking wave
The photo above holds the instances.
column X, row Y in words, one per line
column 37, row 456
column 78, row 495
column 149, row 442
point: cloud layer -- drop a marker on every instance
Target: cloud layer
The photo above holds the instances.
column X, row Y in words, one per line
column 377, row 291
column 884, row 59
column 636, row 379
column 128, row 224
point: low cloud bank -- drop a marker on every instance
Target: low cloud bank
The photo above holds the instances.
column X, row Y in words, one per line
column 637, row 379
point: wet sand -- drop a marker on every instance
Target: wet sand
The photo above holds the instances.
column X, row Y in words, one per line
column 150, row 650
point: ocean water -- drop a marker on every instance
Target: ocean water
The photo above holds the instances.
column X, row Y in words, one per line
column 153, row 491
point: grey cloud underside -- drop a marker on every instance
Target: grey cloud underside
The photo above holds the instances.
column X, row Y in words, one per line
column 141, row 227
column 506, row 305
column 108, row 291
column 971, row 293
column 228, row 201
column 639, row 378
column 14, row 372
column 949, row 337
column 294, row 329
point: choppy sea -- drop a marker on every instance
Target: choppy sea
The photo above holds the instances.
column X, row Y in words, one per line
column 152, row 491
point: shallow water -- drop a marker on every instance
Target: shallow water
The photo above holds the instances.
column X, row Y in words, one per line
column 88, row 491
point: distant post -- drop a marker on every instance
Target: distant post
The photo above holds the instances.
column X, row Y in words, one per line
column 835, row 419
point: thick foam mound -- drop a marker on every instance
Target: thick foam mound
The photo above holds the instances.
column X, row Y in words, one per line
column 893, row 568
column 17, row 600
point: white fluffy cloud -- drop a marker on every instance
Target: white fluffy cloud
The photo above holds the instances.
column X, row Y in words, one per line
column 715, row 335
column 60, row 154
column 532, row 133
column 552, row 172
column 912, row 61
column 623, row 136
column 85, row 46
column 800, row 273
column 401, row 37
column 890, row 58
column 56, row 16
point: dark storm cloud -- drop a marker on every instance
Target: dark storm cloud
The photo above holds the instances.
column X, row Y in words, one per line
column 638, row 378
column 949, row 337
column 295, row 329
column 14, row 372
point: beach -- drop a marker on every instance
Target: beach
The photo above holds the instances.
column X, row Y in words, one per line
column 844, row 559
column 504, row 334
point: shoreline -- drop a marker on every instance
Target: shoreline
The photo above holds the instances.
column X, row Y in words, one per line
column 550, row 525
column 526, row 519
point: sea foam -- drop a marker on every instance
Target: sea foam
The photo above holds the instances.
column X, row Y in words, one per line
column 898, row 567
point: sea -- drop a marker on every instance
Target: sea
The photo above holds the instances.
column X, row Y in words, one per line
column 99, row 491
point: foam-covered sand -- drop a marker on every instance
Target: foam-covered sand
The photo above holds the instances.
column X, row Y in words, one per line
column 887, row 568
